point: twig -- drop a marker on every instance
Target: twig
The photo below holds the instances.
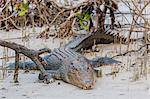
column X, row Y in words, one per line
column 16, row 67
column 131, row 51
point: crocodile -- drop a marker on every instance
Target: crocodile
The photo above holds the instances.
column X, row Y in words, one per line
column 70, row 66
column 67, row 64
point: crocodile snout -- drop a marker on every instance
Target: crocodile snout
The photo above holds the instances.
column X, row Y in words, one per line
column 88, row 85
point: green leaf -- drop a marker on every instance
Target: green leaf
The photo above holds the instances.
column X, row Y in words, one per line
column 26, row 6
column 22, row 13
column 85, row 27
column 79, row 15
column 81, row 22
column 82, row 17
column 23, row 8
column 87, row 17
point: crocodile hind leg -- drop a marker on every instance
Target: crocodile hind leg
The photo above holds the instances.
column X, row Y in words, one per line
column 53, row 74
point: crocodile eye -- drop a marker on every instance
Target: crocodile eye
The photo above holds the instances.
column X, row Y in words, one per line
column 76, row 69
column 89, row 67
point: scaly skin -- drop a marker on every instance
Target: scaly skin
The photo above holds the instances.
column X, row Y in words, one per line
column 70, row 66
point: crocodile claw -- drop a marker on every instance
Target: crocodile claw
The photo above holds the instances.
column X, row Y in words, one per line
column 48, row 81
column 46, row 78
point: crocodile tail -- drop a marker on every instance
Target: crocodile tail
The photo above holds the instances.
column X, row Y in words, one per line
column 101, row 61
column 23, row 65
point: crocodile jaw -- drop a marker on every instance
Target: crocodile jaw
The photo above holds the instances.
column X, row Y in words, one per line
column 84, row 80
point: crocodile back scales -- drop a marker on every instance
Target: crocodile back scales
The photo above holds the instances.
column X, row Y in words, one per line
column 59, row 56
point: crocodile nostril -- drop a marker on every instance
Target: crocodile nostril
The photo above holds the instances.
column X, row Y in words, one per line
column 87, row 87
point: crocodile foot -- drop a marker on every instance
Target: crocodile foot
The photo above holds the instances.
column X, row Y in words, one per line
column 46, row 78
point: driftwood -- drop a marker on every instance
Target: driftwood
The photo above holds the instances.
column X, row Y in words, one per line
column 32, row 54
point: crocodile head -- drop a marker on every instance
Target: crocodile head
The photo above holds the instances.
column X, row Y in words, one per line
column 81, row 74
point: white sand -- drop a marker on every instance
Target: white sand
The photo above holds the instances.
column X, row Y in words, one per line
column 106, row 87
